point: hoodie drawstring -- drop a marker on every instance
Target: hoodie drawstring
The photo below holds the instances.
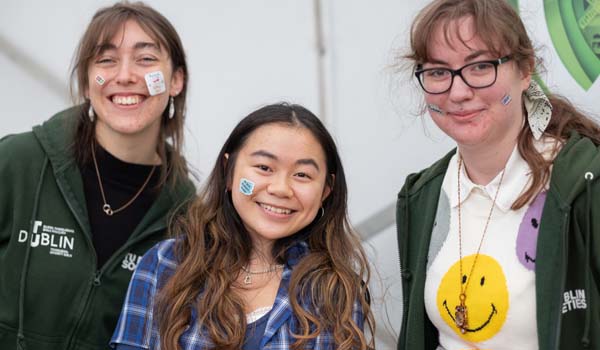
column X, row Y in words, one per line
column 20, row 336
column 585, row 340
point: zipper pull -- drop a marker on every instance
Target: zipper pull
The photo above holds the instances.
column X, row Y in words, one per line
column 96, row 281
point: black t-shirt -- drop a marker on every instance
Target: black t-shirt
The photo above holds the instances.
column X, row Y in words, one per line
column 121, row 181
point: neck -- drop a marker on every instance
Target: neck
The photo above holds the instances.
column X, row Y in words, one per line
column 483, row 164
column 261, row 256
column 130, row 149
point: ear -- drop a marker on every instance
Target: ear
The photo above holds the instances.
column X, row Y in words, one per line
column 328, row 187
column 526, row 75
column 525, row 81
column 177, row 81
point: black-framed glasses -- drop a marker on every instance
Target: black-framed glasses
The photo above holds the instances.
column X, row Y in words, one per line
column 478, row 75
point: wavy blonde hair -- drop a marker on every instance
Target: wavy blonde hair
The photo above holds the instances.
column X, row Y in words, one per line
column 325, row 285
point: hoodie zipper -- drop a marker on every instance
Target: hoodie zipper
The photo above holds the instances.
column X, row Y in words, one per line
column 404, row 296
column 96, row 279
column 563, row 277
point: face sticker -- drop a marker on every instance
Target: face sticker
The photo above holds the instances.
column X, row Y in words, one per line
column 435, row 108
column 487, row 297
column 246, row 186
column 155, row 81
column 506, row 99
column 528, row 232
column 100, row 80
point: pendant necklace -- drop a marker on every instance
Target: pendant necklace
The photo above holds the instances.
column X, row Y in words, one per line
column 461, row 318
column 249, row 274
column 106, row 208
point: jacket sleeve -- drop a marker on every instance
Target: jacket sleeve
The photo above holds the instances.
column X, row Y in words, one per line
column 136, row 326
column 4, row 195
column 6, row 191
column 21, row 160
column 595, row 231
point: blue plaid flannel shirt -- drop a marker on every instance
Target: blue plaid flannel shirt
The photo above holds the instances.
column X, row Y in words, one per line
column 137, row 327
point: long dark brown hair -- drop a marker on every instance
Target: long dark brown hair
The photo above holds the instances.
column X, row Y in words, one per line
column 499, row 26
column 102, row 28
column 331, row 278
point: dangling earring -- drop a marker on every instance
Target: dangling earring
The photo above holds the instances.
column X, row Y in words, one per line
column 322, row 212
column 91, row 114
column 171, row 108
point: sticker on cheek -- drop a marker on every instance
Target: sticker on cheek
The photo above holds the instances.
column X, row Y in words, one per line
column 100, row 80
column 246, row 186
column 435, row 108
column 506, row 99
column 155, row 81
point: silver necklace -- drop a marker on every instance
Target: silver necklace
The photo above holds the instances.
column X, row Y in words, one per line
column 248, row 277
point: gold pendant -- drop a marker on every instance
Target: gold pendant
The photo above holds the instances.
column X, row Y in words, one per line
column 461, row 318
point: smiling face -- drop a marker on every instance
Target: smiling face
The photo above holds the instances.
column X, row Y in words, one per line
column 475, row 117
column 287, row 166
column 487, row 297
column 122, row 103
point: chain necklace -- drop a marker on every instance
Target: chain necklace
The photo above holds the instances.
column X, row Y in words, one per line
column 248, row 277
column 106, row 208
column 460, row 315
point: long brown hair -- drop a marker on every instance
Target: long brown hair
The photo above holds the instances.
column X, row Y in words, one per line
column 105, row 23
column 499, row 26
column 215, row 246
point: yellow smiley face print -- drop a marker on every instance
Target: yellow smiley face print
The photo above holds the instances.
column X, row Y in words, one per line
column 487, row 297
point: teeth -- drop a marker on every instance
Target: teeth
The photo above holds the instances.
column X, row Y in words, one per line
column 275, row 209
column 126, row 100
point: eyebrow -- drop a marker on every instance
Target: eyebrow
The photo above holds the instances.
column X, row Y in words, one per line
column 303, row 161
column 138, row 46
column 469, row 58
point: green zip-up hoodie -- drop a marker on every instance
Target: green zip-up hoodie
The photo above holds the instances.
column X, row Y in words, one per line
column 52, row 294
column 567, row 261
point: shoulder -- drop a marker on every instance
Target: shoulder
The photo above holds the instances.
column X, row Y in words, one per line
column 21, row 146
column 138, row 308
column 161, row 257
column 576, row 167
column 415, row 182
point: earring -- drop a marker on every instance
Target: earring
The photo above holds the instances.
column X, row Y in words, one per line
column 539, row 109
column 171, row 108
column 322, row 212
column 91, row 114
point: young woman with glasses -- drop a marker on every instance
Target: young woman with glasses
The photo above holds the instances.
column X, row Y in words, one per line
column 500, row 239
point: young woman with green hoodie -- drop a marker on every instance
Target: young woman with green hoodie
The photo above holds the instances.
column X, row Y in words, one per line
column 499, row 240
column 85, row 194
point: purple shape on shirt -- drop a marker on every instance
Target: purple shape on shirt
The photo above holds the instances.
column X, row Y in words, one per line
column 528, row 232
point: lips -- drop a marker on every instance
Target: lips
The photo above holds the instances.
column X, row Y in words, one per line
column 276, row 210
column 127, row 100
column 465, row 114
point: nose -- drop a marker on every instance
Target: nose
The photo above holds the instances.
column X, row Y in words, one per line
column 280, row 187
column 459, row 91
column 125, row 74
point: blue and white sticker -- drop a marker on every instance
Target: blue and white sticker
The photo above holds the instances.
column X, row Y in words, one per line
column 246, row 186
column 506, row 99
column 155, row 81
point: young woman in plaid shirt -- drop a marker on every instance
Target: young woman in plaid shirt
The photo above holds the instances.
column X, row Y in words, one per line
column 265, row 258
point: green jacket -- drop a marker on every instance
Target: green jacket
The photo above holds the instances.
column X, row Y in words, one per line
column 52, row 294
column 568, row 250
